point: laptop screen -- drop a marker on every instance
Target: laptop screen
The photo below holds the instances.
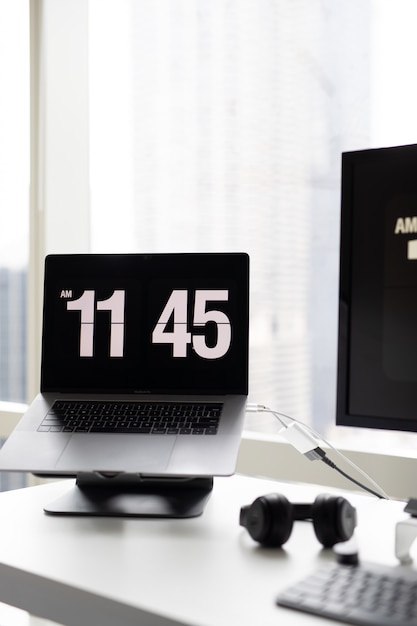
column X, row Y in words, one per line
column 159, row 323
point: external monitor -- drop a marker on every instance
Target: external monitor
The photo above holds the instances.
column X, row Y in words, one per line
column 377, row 342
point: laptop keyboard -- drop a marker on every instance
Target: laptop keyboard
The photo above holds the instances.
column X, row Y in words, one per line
column 169, row 418
column 367, row 595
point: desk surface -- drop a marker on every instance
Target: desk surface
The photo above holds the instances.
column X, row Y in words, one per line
column 205, row 571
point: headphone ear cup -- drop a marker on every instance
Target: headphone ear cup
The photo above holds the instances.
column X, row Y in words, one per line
column 334, row 519
column 269, row 520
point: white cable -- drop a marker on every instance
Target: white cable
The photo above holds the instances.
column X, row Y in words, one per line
column 281, row 417
column 351, row 463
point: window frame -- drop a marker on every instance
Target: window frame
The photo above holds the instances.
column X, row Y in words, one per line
column 59, row 222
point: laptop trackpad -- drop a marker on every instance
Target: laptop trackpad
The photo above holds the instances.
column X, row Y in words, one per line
column 118, row 453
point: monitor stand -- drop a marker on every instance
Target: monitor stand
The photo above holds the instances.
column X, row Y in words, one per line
column 132, row 495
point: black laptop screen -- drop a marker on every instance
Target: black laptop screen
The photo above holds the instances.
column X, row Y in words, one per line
column 162, row 323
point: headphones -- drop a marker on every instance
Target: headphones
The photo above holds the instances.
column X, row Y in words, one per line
column 269, row 519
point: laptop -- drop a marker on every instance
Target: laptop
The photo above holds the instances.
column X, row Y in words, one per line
column 144, row 367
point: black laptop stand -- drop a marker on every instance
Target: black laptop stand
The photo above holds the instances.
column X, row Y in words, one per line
column 132, row 495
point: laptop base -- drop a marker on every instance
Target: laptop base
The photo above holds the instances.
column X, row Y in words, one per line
column 132, row 495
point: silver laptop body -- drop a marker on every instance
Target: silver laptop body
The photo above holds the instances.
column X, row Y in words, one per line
column 168, row 332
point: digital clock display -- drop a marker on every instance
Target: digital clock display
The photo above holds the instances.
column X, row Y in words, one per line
column 146, row 323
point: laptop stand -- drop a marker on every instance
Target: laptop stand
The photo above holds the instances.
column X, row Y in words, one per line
column 132, row 495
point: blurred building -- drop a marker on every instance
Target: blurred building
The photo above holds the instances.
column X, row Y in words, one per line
column 13, row 351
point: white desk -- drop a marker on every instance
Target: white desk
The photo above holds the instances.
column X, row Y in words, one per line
column 205, row 571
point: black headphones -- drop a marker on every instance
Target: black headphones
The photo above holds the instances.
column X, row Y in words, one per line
column 269, row 519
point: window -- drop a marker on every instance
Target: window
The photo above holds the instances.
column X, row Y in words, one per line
column 219, row 126
column 14, row 218
column 14, row 196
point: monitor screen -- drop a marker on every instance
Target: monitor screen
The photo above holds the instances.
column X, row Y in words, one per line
column 377, row 343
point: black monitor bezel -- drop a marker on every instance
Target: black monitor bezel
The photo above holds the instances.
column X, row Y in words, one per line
column 344, row 415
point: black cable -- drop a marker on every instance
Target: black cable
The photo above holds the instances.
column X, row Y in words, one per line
column 330, row 463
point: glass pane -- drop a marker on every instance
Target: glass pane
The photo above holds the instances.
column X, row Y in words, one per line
column 219, row 126
column 14, row 196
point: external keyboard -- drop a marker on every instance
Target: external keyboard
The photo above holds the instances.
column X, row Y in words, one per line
column 171, row 418
column 366, row 595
